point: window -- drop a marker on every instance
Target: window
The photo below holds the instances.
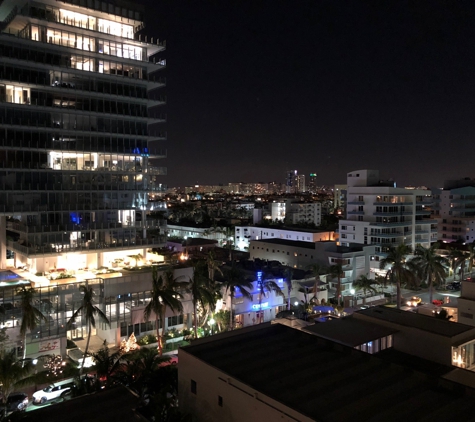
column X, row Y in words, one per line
column 193, row 386
column 220, row 401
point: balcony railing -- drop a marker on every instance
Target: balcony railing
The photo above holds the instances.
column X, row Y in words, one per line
column 51, row 228
column 86, row 247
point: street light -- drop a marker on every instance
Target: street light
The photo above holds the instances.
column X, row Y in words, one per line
column 352, row 291
column 211, row 322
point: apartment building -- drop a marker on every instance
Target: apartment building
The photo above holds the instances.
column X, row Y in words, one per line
column 295, row 212
column 454, row 209
column 80, row 115
column 380, row 214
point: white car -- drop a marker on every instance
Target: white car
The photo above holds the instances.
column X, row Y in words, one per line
column 53, row 391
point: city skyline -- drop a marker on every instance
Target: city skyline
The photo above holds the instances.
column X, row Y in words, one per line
column 257, row 88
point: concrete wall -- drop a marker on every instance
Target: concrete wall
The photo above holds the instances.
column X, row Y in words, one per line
column 240, row 403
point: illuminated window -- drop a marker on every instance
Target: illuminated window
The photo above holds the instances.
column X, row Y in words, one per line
column 77, row 19
column 115, row 28
column 15, row 94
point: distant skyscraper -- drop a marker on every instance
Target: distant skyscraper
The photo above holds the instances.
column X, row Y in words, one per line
column 299, row 183
column 294, row 182
column 289, row 181
column 312, row 183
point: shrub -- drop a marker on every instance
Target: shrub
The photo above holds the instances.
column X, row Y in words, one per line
column 147, row 339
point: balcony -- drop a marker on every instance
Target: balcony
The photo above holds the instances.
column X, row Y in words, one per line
column 52, row 228
column 29, row 249
column 384, row 203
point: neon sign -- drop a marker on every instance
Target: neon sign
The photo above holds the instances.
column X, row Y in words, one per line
column 263, row 305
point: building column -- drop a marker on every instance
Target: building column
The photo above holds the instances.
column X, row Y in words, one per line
column 3, row 242
column 144, row 225
column 99, row 260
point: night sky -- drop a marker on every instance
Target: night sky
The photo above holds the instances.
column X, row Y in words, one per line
column 258, row 87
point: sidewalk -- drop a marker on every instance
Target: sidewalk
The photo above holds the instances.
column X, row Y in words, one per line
column 95, row 344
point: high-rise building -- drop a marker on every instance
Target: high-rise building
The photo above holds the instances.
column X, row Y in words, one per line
column 380, row 214
column 80, row 108
column 289, row 181
column 294, row 182
column 312, row 183
column 454, row 209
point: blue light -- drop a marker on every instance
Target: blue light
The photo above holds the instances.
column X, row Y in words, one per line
column 75, row 217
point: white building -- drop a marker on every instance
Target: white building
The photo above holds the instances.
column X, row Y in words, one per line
column 454, row 209
column 244, row 234
column 380, row 214
column 355, row 260
column 294, row 212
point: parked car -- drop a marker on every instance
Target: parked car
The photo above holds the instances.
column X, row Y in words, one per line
column 455, row 285
column 438, row 302
column 53, row 391
column 17, row 401
column 414, row 301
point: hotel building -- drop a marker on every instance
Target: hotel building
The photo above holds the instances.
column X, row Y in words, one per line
column 380, row 214
column 80, row 114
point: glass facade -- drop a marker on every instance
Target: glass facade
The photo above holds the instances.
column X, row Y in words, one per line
column 80, row 122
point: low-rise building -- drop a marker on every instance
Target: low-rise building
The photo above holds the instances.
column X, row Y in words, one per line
column 355, row 260
column 277, row 373
column 245, row 234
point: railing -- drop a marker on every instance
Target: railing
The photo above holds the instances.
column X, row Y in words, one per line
column 37, row 208
column 92, row 246
column 149, row 224
column 94, row 186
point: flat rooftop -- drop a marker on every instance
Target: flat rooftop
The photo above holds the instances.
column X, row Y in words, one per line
column 419, row 321
column 329, row 382
column 284, row 242
column 349, row 331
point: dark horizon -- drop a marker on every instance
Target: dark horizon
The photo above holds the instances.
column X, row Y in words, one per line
column 258, row 88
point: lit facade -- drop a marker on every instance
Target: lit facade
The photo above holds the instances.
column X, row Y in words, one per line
column 382, row 215
column 454, row 209
column 80, row 114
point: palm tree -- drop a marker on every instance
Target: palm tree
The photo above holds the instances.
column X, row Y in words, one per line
column 288, row 274
column 106, row 363
column 317, row 270
column 431, row 265
column 398, row 271
column 139, row 369
column 164, row 294
column 88, row 312
column 336, row 270
column 461, row 262
column 471, row 257
column 381, row 281
column 264, row 287
column 457, row 259
column 364, row 283
column 31, row 317
column 201, row 290
column 228, row 240
column 212, row 265
column 12, row 373
column 235, row 281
